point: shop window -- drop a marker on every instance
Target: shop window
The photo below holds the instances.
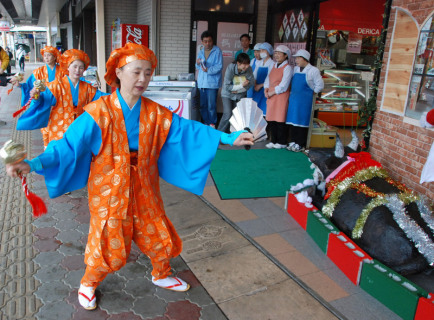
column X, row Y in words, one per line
column 234, row 6
column 421, row 91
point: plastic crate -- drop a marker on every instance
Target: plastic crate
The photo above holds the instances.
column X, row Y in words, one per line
column 319, row 229
column 297, row 210
column 425, row 308
column 347, row 256
column 390, row 288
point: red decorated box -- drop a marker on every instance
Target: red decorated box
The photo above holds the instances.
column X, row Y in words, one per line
column 297, row 210
column 346, row 255
column 425, row 308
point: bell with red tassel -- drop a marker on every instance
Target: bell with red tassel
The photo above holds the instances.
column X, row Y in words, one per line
column 13, row 152
column 40, row 86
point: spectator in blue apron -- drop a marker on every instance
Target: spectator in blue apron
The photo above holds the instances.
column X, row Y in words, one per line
column 257, row 53
column 306, row 82
column 261, row 72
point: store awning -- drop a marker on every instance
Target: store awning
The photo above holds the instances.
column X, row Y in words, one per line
column 362, row 17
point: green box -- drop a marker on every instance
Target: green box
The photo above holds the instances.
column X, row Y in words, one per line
column 390, row 288
column 319, row 228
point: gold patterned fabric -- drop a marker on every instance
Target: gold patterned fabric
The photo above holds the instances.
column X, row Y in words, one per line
column 122, row 56
column 64, row 112
column 124, row 194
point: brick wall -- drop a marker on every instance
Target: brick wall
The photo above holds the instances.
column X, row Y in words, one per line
column 126, row 11
column 261, row 22
column 175, row 35
column 144, row 16
column 402, row 148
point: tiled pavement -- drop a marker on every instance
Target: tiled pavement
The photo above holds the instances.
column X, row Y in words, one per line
column 245, row 259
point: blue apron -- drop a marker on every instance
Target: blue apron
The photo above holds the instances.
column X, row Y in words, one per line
column 300, row 102
column 258, row 96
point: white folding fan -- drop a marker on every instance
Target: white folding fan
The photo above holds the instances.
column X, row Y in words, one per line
column 247, row 116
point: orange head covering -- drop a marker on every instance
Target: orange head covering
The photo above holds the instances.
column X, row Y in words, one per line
column 122, row 56
column 51, row 50
column 69, row 56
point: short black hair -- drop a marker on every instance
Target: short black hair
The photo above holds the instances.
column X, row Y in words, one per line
column 243, row 58
column 245, row 35
column 206, row 34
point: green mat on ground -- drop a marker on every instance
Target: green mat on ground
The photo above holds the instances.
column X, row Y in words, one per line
column 258, row 173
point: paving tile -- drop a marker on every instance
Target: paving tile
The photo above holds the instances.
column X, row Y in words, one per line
column 280, row 222
column 297, row 263
column 274, row 244
column 112, row 283
column 213, row 312
column 73, row 263
column 71, row 249
column 239, row 272
column 199, row 296
column 324, row 286
column 73, row 278
column 194, row 207
column 48, row 258
column 362, row 306
column 183, row 310
column 50, row 272
column 255, row 228
column 45, row 221
column 233, row 209
column 124, row 316
column 278, row 201
column 262, row 207
column 149, row 307
column 116, row 302
column 133, row 271
column 66, row 225
column 284, row 300
column 45, row 245
column 139, row 287
column 55, row 311
column 52, row 291
column 45, row 233
column 210, row 239
column 69, row 236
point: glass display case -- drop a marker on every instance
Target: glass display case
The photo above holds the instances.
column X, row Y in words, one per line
column 344, row 92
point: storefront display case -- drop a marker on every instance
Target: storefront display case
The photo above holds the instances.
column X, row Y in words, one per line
column 343, row 94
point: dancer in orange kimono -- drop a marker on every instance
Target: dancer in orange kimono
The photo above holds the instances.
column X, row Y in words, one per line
column 63, row 100
column 49, row 72
column 120, row 146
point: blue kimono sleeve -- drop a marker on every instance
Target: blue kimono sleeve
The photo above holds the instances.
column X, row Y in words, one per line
column 66, row 162
column 186, row 156
column 38, row 113
column 26, row 87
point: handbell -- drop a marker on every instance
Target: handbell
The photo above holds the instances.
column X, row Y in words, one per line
column 40, row 87
column 12, row 152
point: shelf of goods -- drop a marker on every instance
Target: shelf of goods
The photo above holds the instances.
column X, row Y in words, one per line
column 344, row 92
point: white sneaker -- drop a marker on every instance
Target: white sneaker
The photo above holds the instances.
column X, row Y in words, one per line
column 171, row 283
column 86, row 297
column 269, row 145
column 279, row 146
column 290, row 146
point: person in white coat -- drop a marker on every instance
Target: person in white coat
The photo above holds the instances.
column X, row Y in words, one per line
column 21, row 54
column 306, row 81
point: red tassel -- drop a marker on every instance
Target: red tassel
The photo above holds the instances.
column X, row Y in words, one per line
column 36, row 202
column 23, row 108
column 10, row 90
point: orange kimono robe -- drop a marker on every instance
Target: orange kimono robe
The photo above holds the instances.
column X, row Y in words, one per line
column 124, row 194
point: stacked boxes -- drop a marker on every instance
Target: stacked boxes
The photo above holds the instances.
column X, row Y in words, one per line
column 391, row 289
column 425, row 308
column 403, row 297
column 347, row 256
column 319, row 229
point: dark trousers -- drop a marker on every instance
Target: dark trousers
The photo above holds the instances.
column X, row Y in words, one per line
column 299, row 135
column 278, row 132
column 228, row 106
column 22, row 63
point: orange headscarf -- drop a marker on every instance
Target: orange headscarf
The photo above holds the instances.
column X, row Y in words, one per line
column 122, row 56
column 69, row 56
column 51, row 50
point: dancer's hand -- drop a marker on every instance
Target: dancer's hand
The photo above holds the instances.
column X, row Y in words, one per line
column 14, row 169
column 34, row 92
column 244, row 139
column 15, row 81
